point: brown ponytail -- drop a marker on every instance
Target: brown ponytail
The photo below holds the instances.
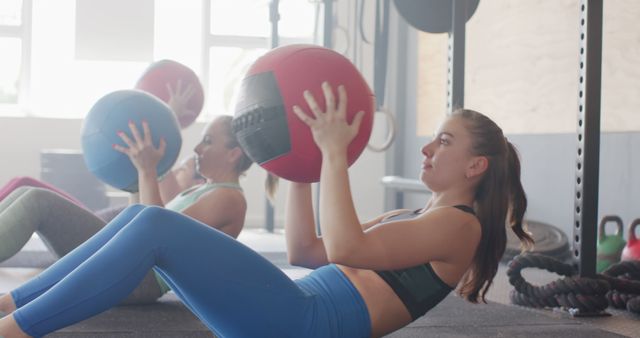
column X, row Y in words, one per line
column 270, row 186
column 518, row 198
column 499, row 199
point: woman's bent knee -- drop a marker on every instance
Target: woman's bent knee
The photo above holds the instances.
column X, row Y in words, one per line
column 154, row 220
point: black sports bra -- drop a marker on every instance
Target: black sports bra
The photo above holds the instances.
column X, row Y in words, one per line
column 419, row 287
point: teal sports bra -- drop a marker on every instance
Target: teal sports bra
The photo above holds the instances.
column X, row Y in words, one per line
column 188, row 197
column 419, row 287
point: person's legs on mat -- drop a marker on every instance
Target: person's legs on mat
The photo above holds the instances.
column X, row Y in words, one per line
column 38, row 285
column 62, row 226
column 49, row 277
column 220, row 279
column 25, row 181
column 14, row 230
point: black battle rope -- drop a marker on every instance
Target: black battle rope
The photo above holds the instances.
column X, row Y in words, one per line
column 618, row 286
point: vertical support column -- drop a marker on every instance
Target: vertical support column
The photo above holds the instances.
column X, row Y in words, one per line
column 588, row 152
column 206, row 44
column 26, row 27
column 274, row 17
column 455, row 80
column 328, row 43
column 328, row 24
column 401, row 56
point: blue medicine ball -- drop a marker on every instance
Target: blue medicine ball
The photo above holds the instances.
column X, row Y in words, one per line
column 111, row 114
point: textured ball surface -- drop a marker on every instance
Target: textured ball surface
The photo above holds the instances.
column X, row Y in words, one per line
column 265, row 124
column 111, row 114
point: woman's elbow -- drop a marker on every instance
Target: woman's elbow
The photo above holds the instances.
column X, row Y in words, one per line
column 297, row 261
column 301, row 261
column 307, row 257
column 338, row 257
column 349, row 255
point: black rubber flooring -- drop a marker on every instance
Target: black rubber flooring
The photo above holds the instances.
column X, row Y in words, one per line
column 452, row 318
column 455, row 317
column 167, row 318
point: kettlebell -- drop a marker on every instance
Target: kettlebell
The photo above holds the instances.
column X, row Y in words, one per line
column 609, row 247
column 632, row 251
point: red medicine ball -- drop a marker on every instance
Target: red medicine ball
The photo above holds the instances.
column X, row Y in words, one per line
column 266, row 126
column 161, row 73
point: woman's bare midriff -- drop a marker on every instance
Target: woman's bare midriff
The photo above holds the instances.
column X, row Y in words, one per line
column 385, row 308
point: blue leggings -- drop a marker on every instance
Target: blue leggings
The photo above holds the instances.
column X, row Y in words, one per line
column 232, row 289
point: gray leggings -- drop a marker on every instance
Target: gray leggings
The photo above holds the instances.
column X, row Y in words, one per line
column 62, row 226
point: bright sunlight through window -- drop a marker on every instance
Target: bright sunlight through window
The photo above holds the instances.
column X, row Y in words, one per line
column 59, row 84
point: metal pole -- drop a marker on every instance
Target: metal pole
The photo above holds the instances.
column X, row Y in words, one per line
column 395, row 162
column 206, row 44
column 588, row 152
column 455, row 82
column 274, row 17
column 328, row 24
column 26, row 28
column 328, row 43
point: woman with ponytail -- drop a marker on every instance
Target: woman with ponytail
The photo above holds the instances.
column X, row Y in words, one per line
column 405, row 262
column 368, row 280
column 499, row 197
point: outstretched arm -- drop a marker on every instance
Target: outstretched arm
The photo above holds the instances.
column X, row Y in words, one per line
column 145, row 157
column 331, row 132
column 441, row 234
column 304, row 248
column 168, row 186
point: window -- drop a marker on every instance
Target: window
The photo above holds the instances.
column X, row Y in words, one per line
column 239, row 32
column 10, row 13
column 42, row 75
column 11, row 37
column 10, row 64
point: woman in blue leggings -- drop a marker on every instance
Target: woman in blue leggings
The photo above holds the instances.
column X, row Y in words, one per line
column 63, row 225
column 369, row 279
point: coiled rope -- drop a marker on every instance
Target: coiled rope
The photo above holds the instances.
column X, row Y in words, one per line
column 618, row 286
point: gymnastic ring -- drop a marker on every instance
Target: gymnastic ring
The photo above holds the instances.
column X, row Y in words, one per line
column 391, row 121
column 345, row 34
